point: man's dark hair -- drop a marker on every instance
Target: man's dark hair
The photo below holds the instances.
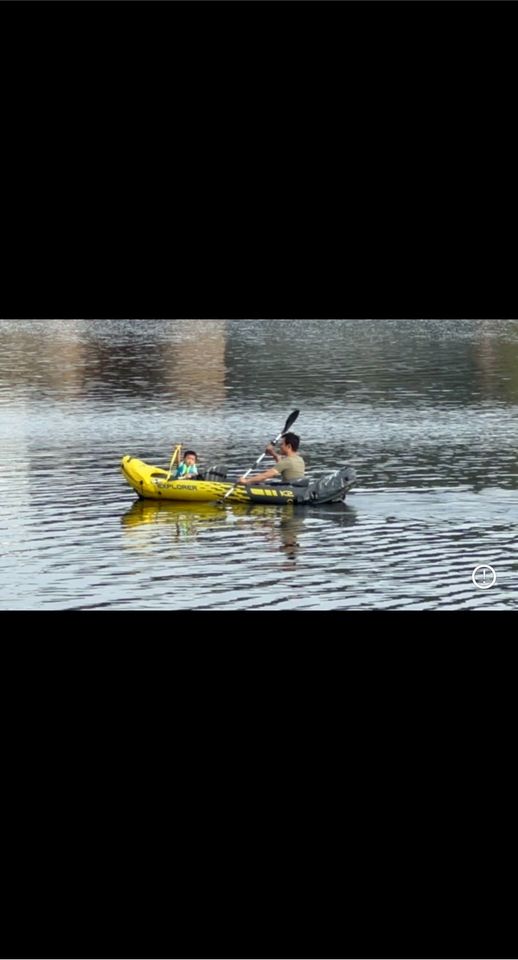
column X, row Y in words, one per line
column 191, row 453
column 292, row 439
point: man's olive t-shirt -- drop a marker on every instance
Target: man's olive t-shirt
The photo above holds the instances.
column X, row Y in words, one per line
column 291, row 468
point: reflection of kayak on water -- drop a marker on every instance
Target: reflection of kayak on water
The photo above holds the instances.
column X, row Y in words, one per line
column 340, row 513
column 191, row 517
column 168, row 511
column 182, row 520
column 172, row 511
column 146, row 520
column 186, row 520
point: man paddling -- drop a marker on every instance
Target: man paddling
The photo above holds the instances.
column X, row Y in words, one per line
column 289, row 465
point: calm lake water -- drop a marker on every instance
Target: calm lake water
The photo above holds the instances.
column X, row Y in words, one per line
column 426, row 411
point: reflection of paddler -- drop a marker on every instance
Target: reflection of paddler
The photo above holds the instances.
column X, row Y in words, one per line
column 285, row 525
column 281, row 526
column 289, row 528
column 282, row 533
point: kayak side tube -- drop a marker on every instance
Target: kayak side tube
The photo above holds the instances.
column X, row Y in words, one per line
column 151, row 482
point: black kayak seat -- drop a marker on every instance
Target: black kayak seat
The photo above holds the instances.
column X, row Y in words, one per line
column 302, row 482
column 215, row 473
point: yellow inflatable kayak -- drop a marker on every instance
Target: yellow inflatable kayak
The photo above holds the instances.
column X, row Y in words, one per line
column 152, row 483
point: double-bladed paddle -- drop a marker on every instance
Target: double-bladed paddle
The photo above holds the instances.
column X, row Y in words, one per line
column 291, row 419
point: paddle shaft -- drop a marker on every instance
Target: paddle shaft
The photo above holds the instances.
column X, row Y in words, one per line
column 258, row 461
column 176, row 452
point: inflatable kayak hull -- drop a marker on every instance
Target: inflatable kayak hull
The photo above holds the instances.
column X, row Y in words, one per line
column 151, row 483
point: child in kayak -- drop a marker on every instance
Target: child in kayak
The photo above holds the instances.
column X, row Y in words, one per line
column 187, row 470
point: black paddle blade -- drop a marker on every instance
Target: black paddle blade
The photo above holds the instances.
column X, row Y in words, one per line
column 291, row 419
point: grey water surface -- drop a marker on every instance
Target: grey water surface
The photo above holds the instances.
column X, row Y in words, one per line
column 425, row 410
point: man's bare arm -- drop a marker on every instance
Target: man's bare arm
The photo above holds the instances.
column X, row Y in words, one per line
column 257, row 477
